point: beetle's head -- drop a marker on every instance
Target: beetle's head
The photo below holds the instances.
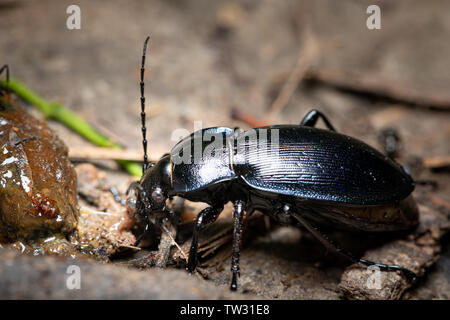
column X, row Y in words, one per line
column 149, row 197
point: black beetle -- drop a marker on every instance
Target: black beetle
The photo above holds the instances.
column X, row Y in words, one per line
column 300, row 175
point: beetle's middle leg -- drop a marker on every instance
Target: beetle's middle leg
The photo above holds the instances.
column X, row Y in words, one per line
column 205, row 217
column 330, row 245
column 311, row 118
column 238, row 215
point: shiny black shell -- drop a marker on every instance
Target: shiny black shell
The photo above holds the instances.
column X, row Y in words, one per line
column 192, row 168
column 299, row 161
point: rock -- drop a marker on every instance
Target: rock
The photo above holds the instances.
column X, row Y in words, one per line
column 37, row 181
column 45, row 277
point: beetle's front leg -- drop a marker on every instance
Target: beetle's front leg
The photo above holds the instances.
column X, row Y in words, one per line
column 238, row 214
column 205, row 217
column 311, row 118
column 5, row 68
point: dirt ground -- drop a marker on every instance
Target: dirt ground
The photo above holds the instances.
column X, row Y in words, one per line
column 270, row 60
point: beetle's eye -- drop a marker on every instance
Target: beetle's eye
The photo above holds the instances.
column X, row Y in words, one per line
column 157, row 195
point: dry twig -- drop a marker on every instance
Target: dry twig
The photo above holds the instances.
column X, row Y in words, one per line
column 99, row 153
column 307, row 56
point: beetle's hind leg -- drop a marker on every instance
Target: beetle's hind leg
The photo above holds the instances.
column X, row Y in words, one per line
column 330, row 245
column 205, row 217
column 311, row 118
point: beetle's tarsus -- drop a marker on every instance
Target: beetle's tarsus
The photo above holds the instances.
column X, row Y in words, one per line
column 408, row 273
column 233, row 286
column 311, row 118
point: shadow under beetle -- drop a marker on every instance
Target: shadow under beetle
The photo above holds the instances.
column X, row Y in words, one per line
column 305, row 176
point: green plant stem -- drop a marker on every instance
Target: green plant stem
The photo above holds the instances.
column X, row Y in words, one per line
column 58, row 112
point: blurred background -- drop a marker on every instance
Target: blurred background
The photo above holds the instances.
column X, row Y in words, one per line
column 245, row 63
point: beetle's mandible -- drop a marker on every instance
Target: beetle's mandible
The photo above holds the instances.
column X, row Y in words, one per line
column 296, row 174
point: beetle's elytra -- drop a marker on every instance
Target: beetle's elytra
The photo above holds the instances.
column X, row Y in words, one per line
column 308, row 175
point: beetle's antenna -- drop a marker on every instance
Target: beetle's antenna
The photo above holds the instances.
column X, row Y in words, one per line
column 144, row 129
